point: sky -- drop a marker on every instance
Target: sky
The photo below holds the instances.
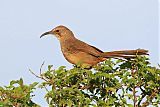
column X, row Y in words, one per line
column 107, row 24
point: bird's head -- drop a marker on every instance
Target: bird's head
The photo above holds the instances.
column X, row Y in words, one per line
column 61, row 32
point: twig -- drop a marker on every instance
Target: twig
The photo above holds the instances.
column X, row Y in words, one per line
column 149, row 98
column 35, row 74
column 41, row 67
column 134, row 94
column 143, row 95
column 46, row 89
column 134, row 70
column 79, row 104
column 41, row 77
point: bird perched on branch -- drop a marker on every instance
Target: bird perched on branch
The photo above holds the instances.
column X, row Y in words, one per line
column 78, row 52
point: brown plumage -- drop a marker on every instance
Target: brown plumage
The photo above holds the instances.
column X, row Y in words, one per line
column 79, row 52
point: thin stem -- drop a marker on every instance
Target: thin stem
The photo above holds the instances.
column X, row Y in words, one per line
column 79, row 104
column 41, row 67
column 134, row 94
column 143, row 95
column 41, row 77
column 134, row 70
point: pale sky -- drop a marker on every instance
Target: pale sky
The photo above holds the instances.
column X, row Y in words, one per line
column 107, row 24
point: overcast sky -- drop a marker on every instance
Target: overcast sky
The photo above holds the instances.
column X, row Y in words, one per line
column 107, row 24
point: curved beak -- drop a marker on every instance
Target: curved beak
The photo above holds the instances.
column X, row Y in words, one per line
column 46, row 33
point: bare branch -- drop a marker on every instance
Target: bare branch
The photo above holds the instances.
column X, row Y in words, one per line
column 41, row 67
column 34, row 74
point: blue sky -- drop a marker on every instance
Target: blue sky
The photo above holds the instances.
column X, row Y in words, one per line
column 107, row 24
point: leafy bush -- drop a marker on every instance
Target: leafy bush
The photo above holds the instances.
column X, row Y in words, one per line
column 17, row 94
column 112, row 83
column 115, row 82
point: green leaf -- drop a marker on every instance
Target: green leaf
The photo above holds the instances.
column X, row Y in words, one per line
column 49, row 67
column 20, row 82
column 129, row 105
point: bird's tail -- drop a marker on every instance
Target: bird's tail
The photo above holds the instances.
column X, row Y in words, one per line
column 125, row 53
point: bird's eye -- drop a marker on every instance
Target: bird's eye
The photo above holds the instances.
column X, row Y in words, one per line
column 57, row 30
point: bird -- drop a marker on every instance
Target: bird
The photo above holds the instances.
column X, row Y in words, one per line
column 80, row 53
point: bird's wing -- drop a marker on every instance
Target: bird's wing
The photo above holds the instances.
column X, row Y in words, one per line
column 84, row 47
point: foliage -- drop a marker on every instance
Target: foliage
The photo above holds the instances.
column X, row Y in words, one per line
column 112, row 83
column 17, row 94
column 115, row 82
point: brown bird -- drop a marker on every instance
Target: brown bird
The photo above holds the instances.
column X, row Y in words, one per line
column 79, row 52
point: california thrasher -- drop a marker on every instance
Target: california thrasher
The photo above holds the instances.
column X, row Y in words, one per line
column 79, row 52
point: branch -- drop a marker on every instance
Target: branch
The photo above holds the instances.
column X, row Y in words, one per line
column 134, row 70
column 143, row 95
column 41, row 67
column 150, row 97
column 134, row 94
column 41, row 77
